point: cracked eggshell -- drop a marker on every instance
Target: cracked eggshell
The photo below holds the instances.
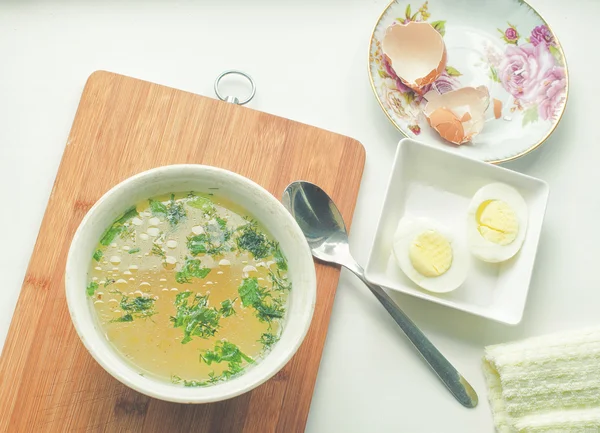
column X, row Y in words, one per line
column 458, row 115
column 497, row 108
column 416, row 53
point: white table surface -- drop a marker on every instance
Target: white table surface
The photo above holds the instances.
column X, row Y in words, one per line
column 309, row 61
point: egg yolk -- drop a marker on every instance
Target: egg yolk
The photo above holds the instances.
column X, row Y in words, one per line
column 497, row 222
column 430, row 254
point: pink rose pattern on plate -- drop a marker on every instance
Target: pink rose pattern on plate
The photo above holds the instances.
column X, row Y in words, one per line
column 510, row 35
column 531, row 70
column 533, row 73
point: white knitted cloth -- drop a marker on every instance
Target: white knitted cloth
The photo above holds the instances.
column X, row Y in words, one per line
column 546, row 384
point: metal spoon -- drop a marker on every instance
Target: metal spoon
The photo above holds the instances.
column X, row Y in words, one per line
column 325, row 231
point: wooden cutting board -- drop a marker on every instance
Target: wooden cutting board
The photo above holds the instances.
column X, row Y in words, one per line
column 48, row 381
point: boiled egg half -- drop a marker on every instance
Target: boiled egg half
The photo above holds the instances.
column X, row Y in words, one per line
column 429, row 256
column 497, row 223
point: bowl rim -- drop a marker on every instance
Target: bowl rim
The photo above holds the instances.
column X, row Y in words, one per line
column 150, row 385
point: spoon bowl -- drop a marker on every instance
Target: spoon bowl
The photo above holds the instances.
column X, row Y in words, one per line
column 319, row 219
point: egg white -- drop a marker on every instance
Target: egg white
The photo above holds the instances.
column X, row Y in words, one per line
column 408, row 229
column 481, row 247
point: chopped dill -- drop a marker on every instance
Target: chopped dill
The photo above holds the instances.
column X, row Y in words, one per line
column 124, row 318
column 256, row 242
column 91, row 288
column 199, row 244
column 253, row 240
column 225, row 351
column 278, row 257
column 253, row 295
column 157, row 208
column 214, row 240
column 222, row 223
column 191, row 269
column 202, row 203
column 268, row 312
column 111, row 233
column 134, row 250
column 212, row 379
column 129, row 214
column 195, row 318
column 226, row 309
column 127, row 233
column 97, row 255
column 117, row 227
column 189, row 383
column 157, row 251
column 109, row 282
column 139, row 307
column 268, row 339
column 280, row 283
column 173, row 212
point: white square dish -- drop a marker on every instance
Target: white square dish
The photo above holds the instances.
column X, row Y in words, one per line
column 436, row 183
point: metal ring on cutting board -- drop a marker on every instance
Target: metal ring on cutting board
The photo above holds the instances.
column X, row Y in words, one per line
column 234, row 99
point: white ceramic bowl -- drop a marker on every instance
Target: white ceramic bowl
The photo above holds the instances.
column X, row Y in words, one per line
column 261, row 205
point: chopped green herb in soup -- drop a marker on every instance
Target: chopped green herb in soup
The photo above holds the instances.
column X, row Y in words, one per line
column 189, row 289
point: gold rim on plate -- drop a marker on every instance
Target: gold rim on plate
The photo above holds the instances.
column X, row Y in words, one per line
column 499, row 161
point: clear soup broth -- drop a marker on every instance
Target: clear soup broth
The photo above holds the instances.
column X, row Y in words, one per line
column 188, row 288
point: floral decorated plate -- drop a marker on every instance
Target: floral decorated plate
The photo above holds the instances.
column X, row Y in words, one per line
column 504, row 45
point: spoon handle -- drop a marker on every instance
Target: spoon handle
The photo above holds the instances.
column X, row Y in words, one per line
column 453, row 380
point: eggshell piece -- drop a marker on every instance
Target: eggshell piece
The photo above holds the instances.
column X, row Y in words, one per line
column 416, row 53
column 457, row 115
column 447, row 125
column 497, row 108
